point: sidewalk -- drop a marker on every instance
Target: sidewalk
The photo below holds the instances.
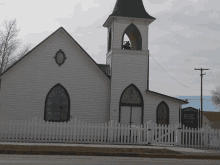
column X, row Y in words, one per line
column 107, row 150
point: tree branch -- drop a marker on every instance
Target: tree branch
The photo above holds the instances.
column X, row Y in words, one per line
column 9, row 44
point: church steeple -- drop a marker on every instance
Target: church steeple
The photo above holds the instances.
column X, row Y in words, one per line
column 127, row 51
column 130, row 8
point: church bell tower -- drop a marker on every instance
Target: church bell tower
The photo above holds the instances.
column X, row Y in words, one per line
column 127, row 51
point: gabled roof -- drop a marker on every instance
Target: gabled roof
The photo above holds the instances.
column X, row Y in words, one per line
column 212, row 116
column 61, row 28
column 169, row 97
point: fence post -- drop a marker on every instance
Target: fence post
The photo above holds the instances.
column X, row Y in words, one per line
column 109, row 131
column 75, row 127
column 138, row 134
column 148, row 131
column 178, row 133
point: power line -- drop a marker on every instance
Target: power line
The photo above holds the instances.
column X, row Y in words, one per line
column 180, row 71
column 183, row 71
column 173, row 70
column 174, row 78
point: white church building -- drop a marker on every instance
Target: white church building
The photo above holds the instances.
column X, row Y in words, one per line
column 58, row 80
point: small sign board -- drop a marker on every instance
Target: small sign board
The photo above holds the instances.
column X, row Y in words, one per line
column 189, row 117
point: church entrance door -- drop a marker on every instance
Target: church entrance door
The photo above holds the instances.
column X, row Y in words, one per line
column 131, row 107
column 131, row 115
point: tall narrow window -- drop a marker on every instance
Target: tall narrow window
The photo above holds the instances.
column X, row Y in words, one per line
column 110, row 40
column 57, row 104
column 162, row 113
column 135, row 40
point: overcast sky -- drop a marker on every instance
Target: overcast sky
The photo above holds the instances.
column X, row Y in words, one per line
column 184, row 36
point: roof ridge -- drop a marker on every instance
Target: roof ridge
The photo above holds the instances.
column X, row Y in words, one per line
column 42, row 43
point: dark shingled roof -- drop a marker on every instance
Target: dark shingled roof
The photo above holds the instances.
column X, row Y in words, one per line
column 130, row 8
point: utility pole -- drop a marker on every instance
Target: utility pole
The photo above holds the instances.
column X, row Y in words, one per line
column 201, row 92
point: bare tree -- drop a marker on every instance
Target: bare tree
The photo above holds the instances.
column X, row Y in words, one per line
column 9, row 44
column 216, row 96
column 25, row 49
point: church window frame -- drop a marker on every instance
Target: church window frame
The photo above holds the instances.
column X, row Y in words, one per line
column 168, row 112
column 52, row 92
column 141, row 104
column 136, row 35
column 60, row 57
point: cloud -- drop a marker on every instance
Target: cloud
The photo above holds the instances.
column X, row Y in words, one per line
column 210, row 25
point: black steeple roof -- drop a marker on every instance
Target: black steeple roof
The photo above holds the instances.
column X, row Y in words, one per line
column 130, row 8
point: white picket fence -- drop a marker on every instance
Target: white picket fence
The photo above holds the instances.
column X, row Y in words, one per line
column 205, row 137
column 76, row 131
column 178, row 135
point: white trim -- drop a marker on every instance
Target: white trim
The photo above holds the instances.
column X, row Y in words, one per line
column 133, row 52
column 167, row 97
column 109, row 53
column 111, row 18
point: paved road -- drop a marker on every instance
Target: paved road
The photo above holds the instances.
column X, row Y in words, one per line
column 94, row 160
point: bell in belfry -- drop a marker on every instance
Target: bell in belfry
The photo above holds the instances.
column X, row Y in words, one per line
column 127, row 45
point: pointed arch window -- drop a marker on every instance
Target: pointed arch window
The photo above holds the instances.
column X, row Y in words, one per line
column 57, row 104
column 131, row 96
column 135, row 39
column 162, row 113
column 131, row 106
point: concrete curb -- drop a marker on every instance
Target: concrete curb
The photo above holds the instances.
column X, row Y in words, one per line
column 107, row 150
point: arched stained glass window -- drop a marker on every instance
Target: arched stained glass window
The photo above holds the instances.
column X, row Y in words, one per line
column 57, row 104
column 163, row 113
column 131, row 96
column 131, row 106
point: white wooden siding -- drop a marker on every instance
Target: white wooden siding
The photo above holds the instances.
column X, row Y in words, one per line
column 25, row 87
column 126, row 69
column 151, row 102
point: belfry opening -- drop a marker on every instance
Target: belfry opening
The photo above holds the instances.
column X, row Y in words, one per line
column 134, row 40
